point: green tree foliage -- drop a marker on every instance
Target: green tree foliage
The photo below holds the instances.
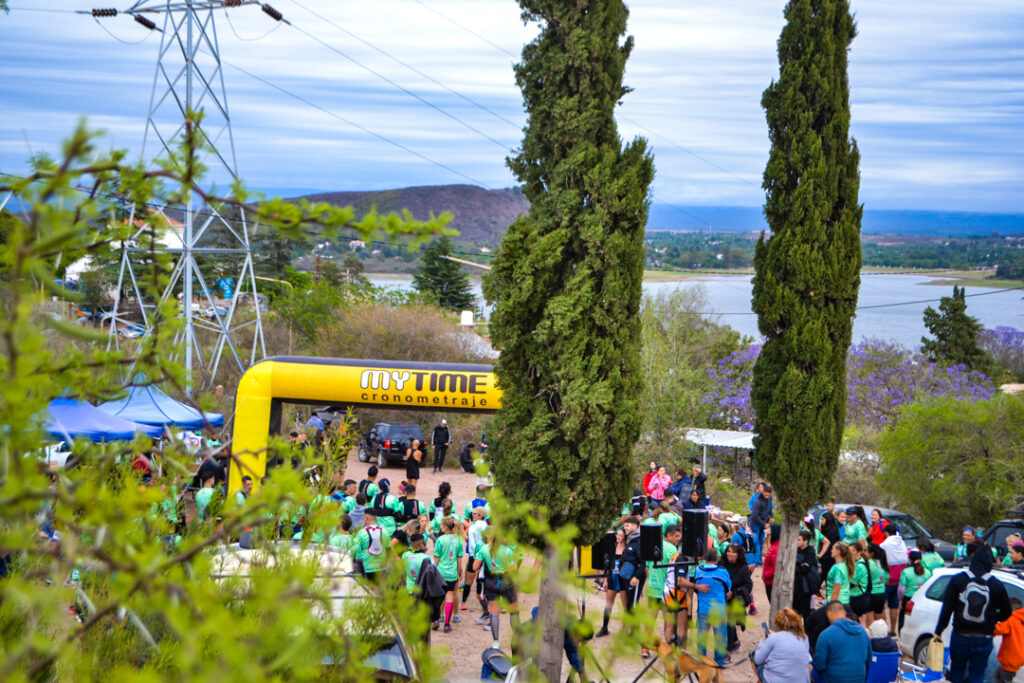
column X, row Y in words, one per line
column 808, row 269
column 273, row 252
column 150, row 606
column 679, row 343
column 566, row 282
column 965, row 456
column 441, row 280
column 955, row 334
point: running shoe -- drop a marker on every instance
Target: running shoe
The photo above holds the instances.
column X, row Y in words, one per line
column 447, row 628
column 463, row 606
column 645, row 653
column 482, row 620
column 496, row 645
column 487, row 627
column 437, row 625
column 602, row 633
column 457, row 619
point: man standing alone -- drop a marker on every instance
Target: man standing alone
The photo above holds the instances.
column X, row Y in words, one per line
column 761, row 518
column 440, row 440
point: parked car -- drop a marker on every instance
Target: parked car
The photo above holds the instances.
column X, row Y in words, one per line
column 923, row 613
column 388, row 657
column 910, row 528
column 215, row 311
column 996, row 534
column 386, row 443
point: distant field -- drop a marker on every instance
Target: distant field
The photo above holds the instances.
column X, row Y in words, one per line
column 974, row 278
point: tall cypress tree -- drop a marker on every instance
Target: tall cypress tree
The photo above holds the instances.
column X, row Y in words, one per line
column 566, row 282
column 807, row 271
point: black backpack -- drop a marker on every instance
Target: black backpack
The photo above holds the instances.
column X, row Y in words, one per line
column 429, row 582
column 379, row 508
column 748, row 544
column 410, row 510
column 974, row 599
column 363, row 485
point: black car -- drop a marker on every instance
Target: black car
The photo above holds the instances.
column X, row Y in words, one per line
column 910, row 528
column 386, row 443
column 996, row 534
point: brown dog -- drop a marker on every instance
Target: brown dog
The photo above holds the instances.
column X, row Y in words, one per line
column 680, row 666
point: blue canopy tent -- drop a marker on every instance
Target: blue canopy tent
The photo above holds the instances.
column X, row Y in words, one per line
column 148, row 405
column 68, row 418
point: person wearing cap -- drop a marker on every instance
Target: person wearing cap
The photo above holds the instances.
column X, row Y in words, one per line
column 440, row 440
column 881, row 641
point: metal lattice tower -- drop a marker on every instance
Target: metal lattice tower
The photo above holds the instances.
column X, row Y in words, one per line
column 189, row 77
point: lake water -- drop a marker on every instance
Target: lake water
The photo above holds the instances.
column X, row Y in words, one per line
column 878, row 315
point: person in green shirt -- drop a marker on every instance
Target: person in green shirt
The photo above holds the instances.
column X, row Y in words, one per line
column 499, row 560
column 860, row 584
column 447, row 552
column 387, row 507
column 912, row 578
column 667, row 518
column 837, row 583
column 204, row 497
column 446, row 513
column 929, row 558
column 410, row 507
column 369, row 485
column 855, row 529
column 656, row 578
column 341, row 537
column 879, row 575
column 243, row 494
column 413, row 560
column 370, row 547
column 479, row 501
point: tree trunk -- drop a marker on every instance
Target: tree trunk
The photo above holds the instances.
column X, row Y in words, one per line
column 552, row 624
column 785, row 566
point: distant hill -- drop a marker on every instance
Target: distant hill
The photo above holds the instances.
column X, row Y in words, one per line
column 481, row 216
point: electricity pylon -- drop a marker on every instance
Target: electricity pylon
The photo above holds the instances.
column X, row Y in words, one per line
column 189, row 78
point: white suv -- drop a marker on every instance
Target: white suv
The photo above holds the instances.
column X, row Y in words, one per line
column 924, row 608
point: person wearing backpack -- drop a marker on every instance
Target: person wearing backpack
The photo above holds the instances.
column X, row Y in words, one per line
column 369, row 485
column 386, row 507
column 370, row 547
column 422, row 579
column 976, row 601
column 410, row 507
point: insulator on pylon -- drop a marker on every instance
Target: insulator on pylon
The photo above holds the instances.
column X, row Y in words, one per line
column 145, row 22
column 232, row 3
column 104, row 12
column 271, row 12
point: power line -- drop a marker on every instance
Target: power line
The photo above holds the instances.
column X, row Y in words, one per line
column 467, row 29
column 408, row 92
column 121, row 40
column 227, row 15
column 332, row 114
column 409, row 66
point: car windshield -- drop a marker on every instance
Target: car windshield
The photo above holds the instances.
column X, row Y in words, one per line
column 405, row 432
column 909, row 527
column 999, row 534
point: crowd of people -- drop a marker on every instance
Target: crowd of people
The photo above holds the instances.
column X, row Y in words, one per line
column 853, row 579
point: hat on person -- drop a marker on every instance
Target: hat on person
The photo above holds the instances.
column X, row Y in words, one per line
column 444, row 422
column 878, row 629
column 1019, row 546
column 852, row 511
column 384, row 485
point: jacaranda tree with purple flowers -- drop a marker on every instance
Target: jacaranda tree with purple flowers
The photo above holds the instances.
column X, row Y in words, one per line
column 1005, row 345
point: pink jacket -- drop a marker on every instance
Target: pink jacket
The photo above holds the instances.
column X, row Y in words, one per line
column 658, row 484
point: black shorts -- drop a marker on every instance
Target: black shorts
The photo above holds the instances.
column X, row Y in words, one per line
column 499, row 587
column 878, row 602
column 412, row 470
column 614, row 583
column 860, row 604
column 449, row 586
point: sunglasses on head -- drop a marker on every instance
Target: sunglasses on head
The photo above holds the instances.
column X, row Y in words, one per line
column 968, row 530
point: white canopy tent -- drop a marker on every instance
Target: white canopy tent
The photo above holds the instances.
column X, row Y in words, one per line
column 719, row 437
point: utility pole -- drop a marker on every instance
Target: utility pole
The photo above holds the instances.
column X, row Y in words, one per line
column 189, row 78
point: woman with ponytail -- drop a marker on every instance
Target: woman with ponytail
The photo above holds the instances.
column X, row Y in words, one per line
column 837, row 583
column 911, row 579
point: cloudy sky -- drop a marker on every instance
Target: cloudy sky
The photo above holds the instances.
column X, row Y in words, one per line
column 393, row 93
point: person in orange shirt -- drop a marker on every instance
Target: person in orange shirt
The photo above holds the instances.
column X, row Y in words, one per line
column 1011, row 651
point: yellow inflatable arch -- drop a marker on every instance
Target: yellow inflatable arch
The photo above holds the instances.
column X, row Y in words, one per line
column 266, row 386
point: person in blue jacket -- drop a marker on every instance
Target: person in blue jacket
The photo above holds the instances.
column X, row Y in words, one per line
column 713, row 586
column 843, row 651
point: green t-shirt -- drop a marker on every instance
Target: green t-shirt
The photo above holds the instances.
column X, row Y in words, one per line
column 656, row 577
column 819, row 540
column 447, row 552
column 712, row 530
column 420, row 508
column 435, row 524
column 911, row 581
column 501, row 561
column 412, row 561
column 859, row 582
column 878, row 578
column 371, row 491
column 348, row 504
column 838, row 574
column 668, row 519
column 650, row 521
column 372, row 563
column 340, row 539
column 932, row 561
column 855, row 532
column 239, row 499
column 203, row 498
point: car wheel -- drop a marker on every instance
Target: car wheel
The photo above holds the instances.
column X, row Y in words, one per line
column 921, row 652
column 382, row 461
column 363, row 457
